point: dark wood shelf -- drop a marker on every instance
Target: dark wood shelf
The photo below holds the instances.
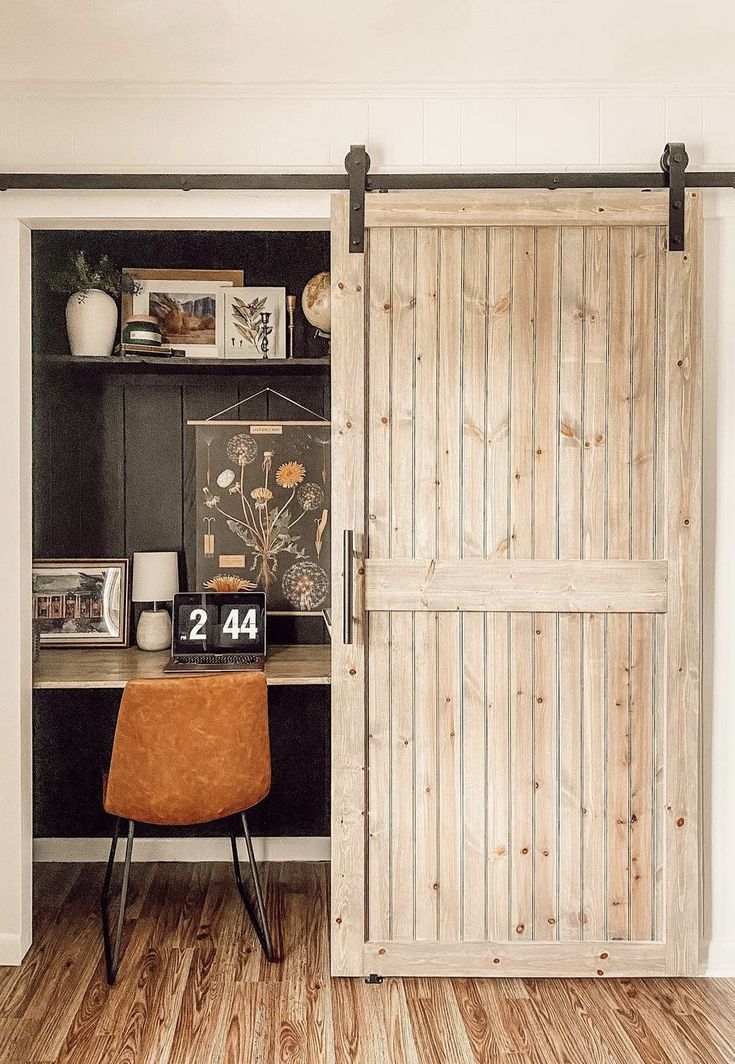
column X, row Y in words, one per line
column 139, row 363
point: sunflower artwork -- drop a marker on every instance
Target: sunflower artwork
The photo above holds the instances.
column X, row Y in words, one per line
column 263, row 500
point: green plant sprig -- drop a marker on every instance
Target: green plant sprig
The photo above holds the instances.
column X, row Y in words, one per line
column 80, row 275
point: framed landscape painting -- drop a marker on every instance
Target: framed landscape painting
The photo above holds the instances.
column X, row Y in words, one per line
column 185, row 304
column 81, row 601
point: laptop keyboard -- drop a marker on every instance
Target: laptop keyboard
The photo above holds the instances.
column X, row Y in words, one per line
column 219, row 659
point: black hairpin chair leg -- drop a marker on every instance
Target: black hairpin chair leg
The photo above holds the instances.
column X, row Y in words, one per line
column 112, row 956
column 259, row 922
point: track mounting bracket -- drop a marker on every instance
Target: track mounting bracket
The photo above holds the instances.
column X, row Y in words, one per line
column 357, row 164
column 674, row 163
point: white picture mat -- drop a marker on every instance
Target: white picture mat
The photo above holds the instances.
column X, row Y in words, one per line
column 194, row 288
column 276, row 304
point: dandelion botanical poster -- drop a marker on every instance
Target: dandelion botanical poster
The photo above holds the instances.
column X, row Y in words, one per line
column 263, row 510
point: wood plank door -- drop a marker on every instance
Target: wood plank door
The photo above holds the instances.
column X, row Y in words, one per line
column 516, row 657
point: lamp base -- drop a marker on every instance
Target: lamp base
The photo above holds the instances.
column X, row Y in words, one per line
column 154, row 630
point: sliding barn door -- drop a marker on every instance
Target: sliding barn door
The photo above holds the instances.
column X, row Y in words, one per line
column 516, row 448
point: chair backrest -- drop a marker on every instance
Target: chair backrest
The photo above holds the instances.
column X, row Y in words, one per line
column 190, row 749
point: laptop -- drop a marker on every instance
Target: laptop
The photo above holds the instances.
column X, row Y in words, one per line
column 218, row 631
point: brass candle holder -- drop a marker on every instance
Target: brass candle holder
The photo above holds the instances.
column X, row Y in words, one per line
column 265, row 330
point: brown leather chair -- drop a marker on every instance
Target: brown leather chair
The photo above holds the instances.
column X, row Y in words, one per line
column 188, row 750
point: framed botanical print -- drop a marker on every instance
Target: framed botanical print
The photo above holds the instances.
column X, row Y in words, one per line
column 185, row 305
column 254, row 322
column 81, row 602
column 262, row 511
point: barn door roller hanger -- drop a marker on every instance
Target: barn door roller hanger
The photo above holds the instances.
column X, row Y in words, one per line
column 674, row 163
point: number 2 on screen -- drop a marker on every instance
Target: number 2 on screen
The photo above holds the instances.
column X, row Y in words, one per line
column 197, row 632
column 249, row 626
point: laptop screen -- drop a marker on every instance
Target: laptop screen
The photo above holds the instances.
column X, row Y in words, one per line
column 219, row 622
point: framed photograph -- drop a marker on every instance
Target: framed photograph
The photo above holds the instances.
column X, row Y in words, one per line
column 81, row 602
column 184, row 304
column 254, row 322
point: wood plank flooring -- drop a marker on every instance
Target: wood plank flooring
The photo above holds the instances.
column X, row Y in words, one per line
column 194, row 988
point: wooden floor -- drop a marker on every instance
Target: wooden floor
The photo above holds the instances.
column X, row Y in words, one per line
column 194, row 988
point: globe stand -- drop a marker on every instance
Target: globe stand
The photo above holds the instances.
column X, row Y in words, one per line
column 325, row 336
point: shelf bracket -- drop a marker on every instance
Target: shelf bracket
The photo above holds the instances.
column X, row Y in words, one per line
column 357, row 164
column 374, row 980
column 674, row 163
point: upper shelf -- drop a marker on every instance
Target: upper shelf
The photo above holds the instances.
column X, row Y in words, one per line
column 138, row 364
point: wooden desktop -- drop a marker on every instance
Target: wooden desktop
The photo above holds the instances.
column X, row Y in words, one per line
column 113, row 667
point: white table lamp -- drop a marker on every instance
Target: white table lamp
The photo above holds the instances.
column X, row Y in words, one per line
column 156, row 580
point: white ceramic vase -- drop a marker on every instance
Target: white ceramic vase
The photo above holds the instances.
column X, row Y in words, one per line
column 91, row 322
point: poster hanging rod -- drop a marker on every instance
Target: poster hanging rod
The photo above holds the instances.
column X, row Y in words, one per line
column 357, row 178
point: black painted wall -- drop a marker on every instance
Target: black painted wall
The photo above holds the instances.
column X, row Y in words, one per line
column 113, row 469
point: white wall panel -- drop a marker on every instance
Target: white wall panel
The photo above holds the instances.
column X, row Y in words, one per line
column 488, row 132
column 629, row 128
column 396, row 131
column 205, row 132
column 45, row 134
column 719, row 131
column 348, row 124
column 289, row 132
column 114, row 132
column 442, row 132
column 558, row 132
column 684, row 121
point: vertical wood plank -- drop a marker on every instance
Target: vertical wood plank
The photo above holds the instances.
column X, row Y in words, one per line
column 348, row 676
column 403, row 304
column 521, row 500
column 473, row 502
column 619, row 521
column 684, row 456
column 545, row 709
column 425, row 624
column 153, row 434
column 449, row 420
column 102, row 488
column 497, row 538
column 378, row 533
column 593, row 543
column 570, row 450
column 643, row 505
column 660, row 625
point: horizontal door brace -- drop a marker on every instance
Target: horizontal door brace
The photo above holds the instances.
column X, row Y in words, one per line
column 515, row 585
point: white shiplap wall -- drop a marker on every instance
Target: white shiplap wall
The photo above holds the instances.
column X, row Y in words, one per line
column 46, row 126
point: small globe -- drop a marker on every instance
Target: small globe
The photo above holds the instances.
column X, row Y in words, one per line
column 316, row 301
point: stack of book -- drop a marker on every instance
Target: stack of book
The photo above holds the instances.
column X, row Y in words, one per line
column 148, row 350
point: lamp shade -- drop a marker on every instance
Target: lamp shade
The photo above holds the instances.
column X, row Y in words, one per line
column 155, row 575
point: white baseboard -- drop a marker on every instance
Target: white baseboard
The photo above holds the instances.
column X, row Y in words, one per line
column 11, row 949
column 290, row 848
column 718, row 958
